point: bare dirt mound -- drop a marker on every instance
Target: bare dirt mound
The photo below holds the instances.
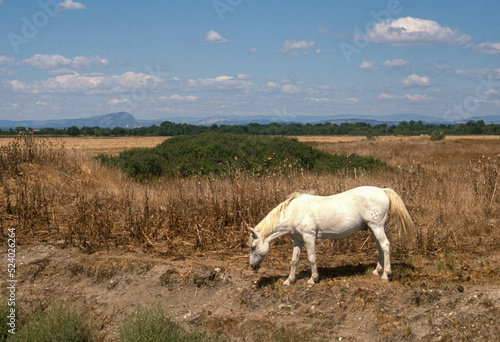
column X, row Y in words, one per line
column 221, row 294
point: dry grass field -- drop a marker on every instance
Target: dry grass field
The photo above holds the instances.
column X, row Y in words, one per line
column 91, row 146
column 94, row 237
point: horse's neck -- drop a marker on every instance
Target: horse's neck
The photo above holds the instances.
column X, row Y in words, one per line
column 278, row 231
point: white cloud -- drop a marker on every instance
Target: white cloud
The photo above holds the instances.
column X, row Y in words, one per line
column 243, row 76
column 411, row 97
column 478, row 73
column 318, row 99
column 413, row 31
column 415, row 80
column 87, row 84
column 290, row 89
column 495, row 102
column 8, row 62
column 215, row 37
column 418, row 98
column 386, row 96
column 118, row 102
column 290, row 45
column 51, row 62
column 218, row 83
column 492, row 92
column 324, row 30
column 485, row 48
column 396, row 63
column 85, row 63
column 41, row 103
column 367, row 65
column 188, row 98
column 437, row 68
column 70, row 5
column 47, row 61
column 254, row 50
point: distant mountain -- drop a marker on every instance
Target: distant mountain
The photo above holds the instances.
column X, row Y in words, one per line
column 220, row 120
column 127, row 120
column 488, row 119
column 121, row 119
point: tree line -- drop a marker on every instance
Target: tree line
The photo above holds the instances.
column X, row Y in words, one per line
column 168, row 128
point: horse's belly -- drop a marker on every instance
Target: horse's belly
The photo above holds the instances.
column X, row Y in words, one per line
column 342, row 230
column 336, row 235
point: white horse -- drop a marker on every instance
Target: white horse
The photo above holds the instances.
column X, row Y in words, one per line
column 306, row 217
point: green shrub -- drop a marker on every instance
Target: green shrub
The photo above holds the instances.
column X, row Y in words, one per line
column 59, row 322
column 219, row 154
column 153, row 325
column 4, row 312
column 437, row 135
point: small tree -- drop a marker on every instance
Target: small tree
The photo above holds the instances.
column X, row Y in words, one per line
column 437, row 135
column 73, row 131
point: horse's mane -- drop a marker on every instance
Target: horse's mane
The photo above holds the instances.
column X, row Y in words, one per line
column 266, row 226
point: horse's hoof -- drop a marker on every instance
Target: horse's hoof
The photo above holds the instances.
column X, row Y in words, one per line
column 310, row 285
column 286, row 283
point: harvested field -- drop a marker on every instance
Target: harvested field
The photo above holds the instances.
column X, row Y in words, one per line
column 94, row 146
column 93, row 237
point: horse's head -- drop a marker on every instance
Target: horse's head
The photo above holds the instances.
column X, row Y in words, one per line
column 258, row 249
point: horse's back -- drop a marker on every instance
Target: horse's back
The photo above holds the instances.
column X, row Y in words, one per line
column 340, row 215
column 371, row 202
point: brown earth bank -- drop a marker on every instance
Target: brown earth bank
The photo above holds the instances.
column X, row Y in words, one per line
column 424, row 301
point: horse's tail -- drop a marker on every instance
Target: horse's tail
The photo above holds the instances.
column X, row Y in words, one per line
column 399, row 211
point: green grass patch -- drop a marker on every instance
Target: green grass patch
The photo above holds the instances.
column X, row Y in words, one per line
column 4, row 319
column 59, row 322
column 229, row 154
column 151, row 325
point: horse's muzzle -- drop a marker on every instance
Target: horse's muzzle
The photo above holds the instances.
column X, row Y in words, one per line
column 255, row 267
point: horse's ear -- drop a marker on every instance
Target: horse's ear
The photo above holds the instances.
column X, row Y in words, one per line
column 255, row 234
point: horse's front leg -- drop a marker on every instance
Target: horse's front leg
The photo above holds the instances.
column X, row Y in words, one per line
column 297, row 246
column 311, row 254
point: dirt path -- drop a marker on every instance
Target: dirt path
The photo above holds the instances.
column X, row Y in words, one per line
column 221, row 294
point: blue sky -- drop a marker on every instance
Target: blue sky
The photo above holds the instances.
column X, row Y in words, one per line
column 186, row 58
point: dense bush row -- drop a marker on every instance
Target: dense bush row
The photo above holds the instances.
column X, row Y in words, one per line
column 358, row 129
column 216, row 154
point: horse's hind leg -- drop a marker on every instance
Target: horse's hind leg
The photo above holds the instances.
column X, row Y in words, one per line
column 380, row 261
column 297, row 246
column 311, row 254
column 383, row 249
